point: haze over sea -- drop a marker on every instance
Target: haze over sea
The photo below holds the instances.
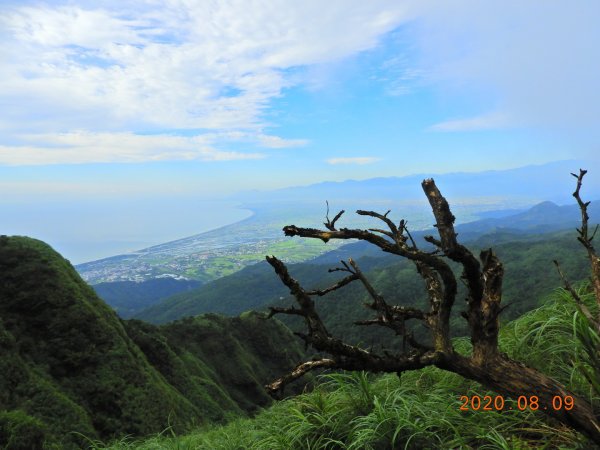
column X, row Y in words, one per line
column 89, row 231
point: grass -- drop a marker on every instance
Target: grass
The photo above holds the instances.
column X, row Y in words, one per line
column 420, row 409
column 290, row 250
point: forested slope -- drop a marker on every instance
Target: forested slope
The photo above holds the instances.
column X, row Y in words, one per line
column 530, row 275
column 130, row 297
column 69, row 367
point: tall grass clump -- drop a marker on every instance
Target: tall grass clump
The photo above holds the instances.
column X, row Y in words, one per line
column 421, row 409
column 560, row 341
column 587, row 356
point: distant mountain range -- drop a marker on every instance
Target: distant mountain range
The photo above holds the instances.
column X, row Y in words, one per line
column 545, row 217
column 528, row 184
column 220, row 252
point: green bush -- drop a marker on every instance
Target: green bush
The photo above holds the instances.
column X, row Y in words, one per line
column 19, row 431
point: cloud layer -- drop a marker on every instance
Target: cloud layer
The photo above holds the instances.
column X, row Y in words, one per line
column 170, row 65
column 361, row 160
column 148, row 80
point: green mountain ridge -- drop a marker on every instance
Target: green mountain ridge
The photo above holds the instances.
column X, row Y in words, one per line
column 530, row 275
column 69, row 367
column 543, row 218
column 129, row 297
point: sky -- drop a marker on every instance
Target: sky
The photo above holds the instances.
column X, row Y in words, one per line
column 108, row 102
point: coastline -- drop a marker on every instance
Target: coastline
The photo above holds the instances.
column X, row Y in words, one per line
column 252, row 214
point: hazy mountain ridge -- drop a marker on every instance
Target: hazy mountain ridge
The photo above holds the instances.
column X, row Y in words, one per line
column 534, row 183
column 542, row 218
column 68, row 363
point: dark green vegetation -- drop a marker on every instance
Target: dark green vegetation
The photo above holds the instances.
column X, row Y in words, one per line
column 420, row 409
column 250, row 288
column 70, row 369
column 129, row 297
column 530, row 276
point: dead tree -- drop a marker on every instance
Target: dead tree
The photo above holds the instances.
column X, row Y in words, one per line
column 483, row 279
column 585, row 239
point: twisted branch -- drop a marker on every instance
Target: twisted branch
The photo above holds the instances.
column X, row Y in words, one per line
column 330, row 225
column 586, row 239
column 483, row 278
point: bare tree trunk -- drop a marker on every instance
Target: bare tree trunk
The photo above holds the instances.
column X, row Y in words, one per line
column 515, row 379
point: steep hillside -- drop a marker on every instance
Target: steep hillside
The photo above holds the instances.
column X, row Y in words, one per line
column 239, row 353
column 69, row 364
column 419, row 410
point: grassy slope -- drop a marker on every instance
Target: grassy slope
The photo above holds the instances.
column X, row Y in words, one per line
column 68, row 363
column 419, row 410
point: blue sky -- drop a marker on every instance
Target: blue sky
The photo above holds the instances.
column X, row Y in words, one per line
column 201, row 99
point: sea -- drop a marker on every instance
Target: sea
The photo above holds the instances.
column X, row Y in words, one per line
column 88, row 230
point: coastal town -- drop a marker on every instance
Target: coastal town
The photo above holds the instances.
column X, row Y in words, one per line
column 207, row 256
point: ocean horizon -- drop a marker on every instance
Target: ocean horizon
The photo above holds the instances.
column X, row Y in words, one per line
column 71, row 228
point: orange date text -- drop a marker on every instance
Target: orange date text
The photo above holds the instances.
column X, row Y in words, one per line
column 497, row 403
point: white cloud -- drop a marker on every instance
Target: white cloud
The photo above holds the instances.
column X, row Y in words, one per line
column 166, row 65
column 354, row 160
column 84, row 147
column 483, row 122
column 277, row 142
column 163, row 66
column 399, row 74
